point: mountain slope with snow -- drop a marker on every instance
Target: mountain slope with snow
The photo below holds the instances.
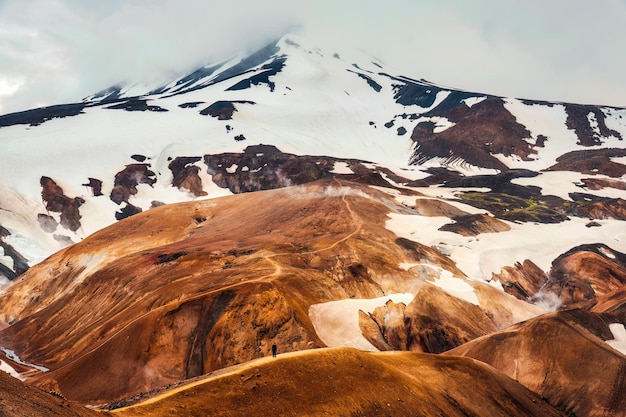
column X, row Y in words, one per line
column 307, row 197
column 301, row 99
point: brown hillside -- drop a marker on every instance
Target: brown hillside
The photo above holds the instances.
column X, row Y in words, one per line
column 562, row 357
column 182, row 290
column 18, row 400
column 347, row 382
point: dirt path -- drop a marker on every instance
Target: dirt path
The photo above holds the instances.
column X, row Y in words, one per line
column 278, row 270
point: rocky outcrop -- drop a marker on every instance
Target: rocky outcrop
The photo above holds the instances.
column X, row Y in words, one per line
column 433, row 322
column 475, row 224
column 186, row 175
column 126, row 181
column 586, row 272
column 56, row 201
column 95, row 185
column 593, row 207
column 579, row 119
column 592, row 162
column 523, row 280
column 478, row 133
column 264, row 167
column 582, row 274
column 223, row 110
column 19, row 262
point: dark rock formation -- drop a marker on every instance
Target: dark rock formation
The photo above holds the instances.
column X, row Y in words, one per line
column 592, row 162
column 582, row 274
column 186, row 175
column 126, row 181
column 485, row 129
column 136, row 104
column 594, row 207
column 433, row 322
column 586, row 272
column 262, row 75
column 38, row 116
column 127, row 211
column 601, row 183
column 223, row 110
column 578, row 120
column 56, row 201
column 264, row 167
column 522, row 280
column 20, row 263
column 95, row 185
column 475, row 224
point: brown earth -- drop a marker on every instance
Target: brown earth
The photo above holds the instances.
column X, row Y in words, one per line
column 56, row 201
column 586, row 272
column 475, row 224
column 563, row 358
column 431, row 208
column 578, row 120
column 182, row 290
column 601, row 183
column 522, row 280
column 485, row 129
column 19, row 400
column 347, row 382
column 186, row 175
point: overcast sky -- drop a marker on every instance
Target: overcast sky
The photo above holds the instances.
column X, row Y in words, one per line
column 59, row 51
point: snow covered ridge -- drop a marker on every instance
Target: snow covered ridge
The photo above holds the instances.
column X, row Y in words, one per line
column 72, row 169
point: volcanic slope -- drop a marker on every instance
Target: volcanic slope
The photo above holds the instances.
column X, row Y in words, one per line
column 18, row 400
column 186, row 289
column 348, row 382
column 561, row 356
column 182, row 290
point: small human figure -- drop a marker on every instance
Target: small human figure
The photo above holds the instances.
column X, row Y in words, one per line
column 274, row 349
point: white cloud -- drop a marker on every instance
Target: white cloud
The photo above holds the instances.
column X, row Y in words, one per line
column 54, row 51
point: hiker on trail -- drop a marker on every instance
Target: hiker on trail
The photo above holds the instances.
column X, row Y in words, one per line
column 274, row 349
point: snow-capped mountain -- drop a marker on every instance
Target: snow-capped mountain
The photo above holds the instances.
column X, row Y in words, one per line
column 302, row 100
column 378, row 212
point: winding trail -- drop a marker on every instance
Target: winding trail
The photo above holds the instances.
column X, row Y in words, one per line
column 278, row 270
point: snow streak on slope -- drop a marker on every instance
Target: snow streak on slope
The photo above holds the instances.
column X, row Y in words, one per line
column 619, row 334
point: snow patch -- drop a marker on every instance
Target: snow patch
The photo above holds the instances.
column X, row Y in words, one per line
column 456, row 287
column 606, row 252
column 341, row 168
column 5, row 367
column 232, row 169
column 619, row 337
column 441, row 123
column 337, row 322
column 471, row 101
column 13, row 356
column 619, row 160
